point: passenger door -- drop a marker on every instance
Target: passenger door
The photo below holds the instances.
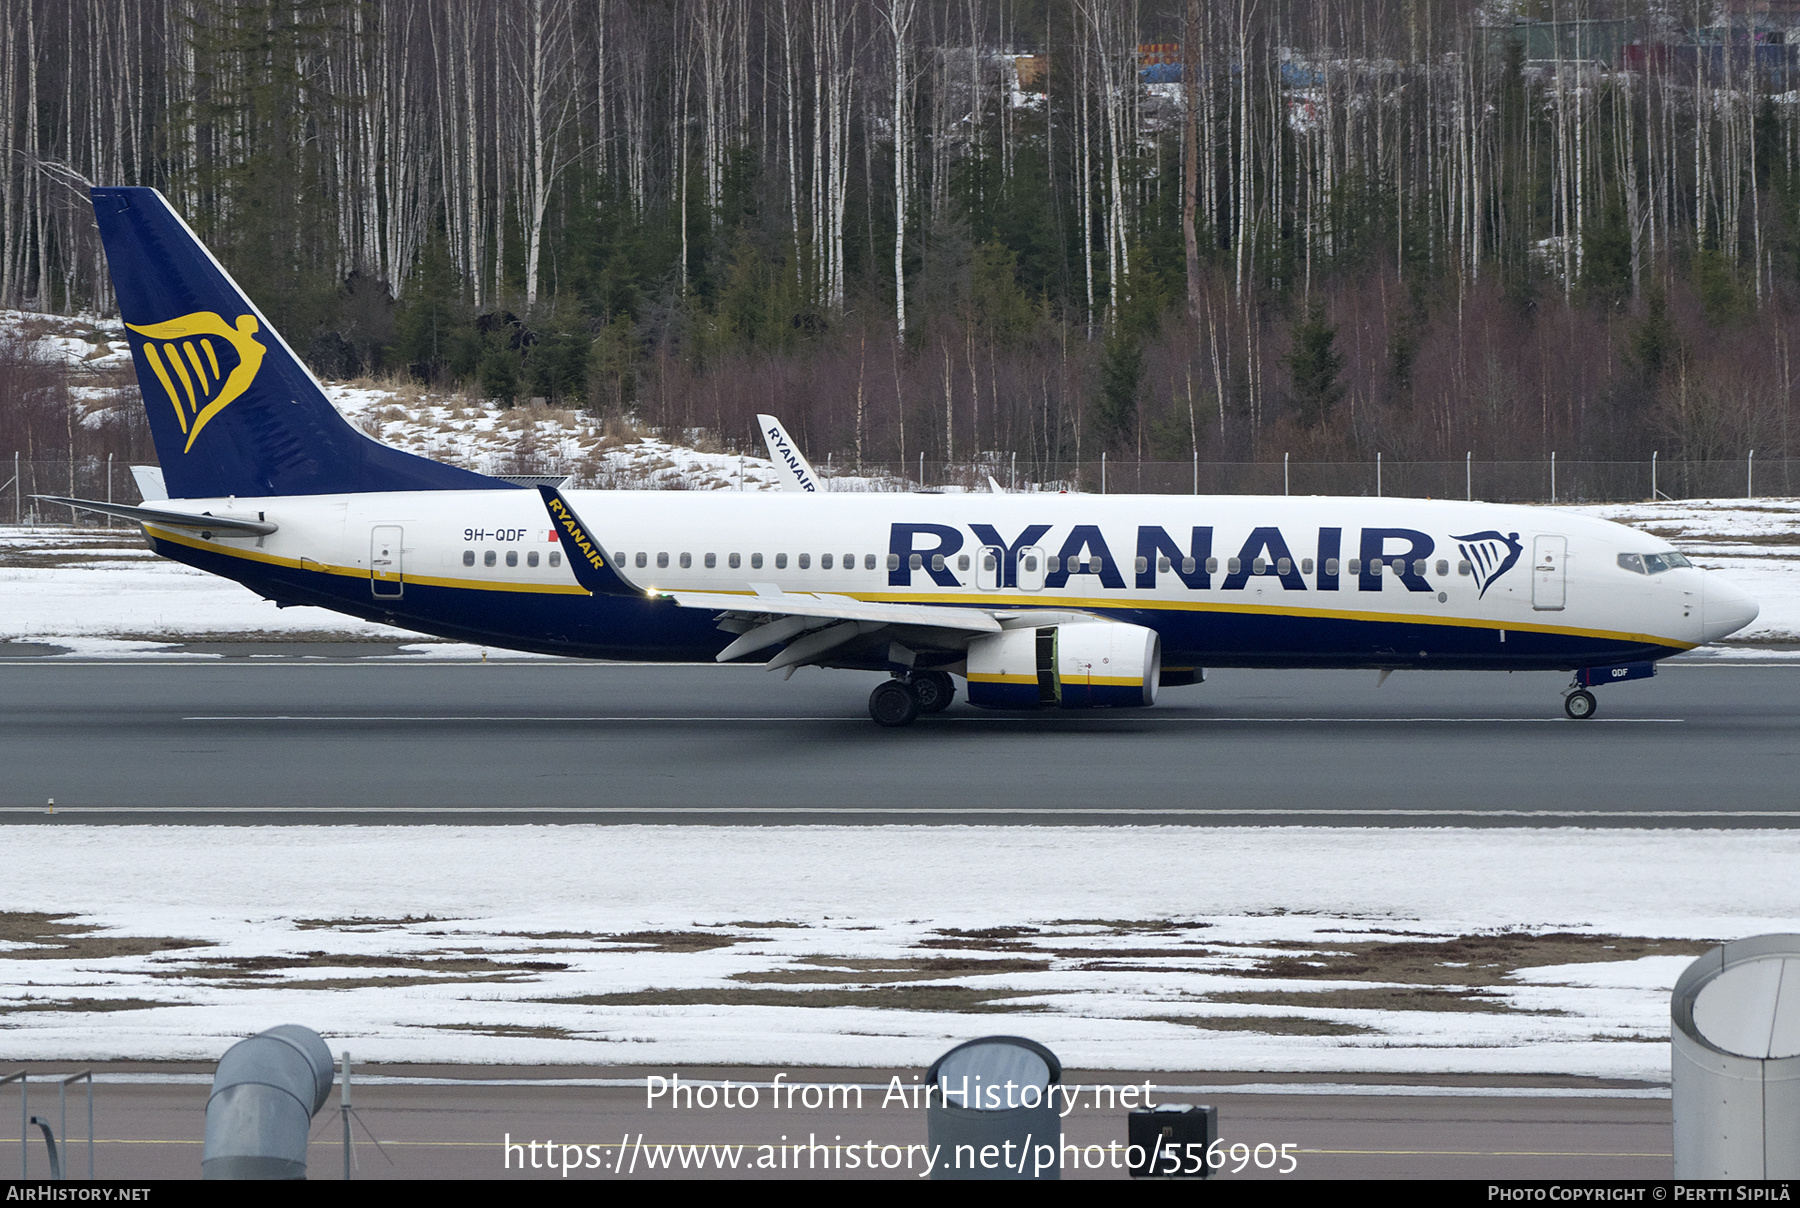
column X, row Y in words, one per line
column 989, row 563
column 1029, row 569
column 1548, row 577
column 386, row 570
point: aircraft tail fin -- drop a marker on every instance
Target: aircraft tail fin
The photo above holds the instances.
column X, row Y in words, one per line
column 232, row 410
column 791, row 464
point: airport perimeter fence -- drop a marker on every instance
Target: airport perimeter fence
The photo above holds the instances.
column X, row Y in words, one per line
column 1548, row 481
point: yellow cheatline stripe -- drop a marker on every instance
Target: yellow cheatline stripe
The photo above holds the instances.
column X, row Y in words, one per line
column 989, row 601
column 1104, row 681
column 187, row 383
column 1003, row 679
column 357, row 572
column 162, row 375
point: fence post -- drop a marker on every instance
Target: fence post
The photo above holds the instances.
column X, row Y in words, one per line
column 1653, row 490
column 1284, row 475
column 921, row 469
column 62, row 1100
column 1750, row 477
column 1553, row 476
column 1469, row 476
column 1012, row 475
column 1196, row 471
column 1103, row 473
column 24, row 1080
column 1378, row 475
column 18, row 491
column 109, row 519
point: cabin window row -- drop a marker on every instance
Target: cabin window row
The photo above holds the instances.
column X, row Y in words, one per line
column 491, row 558
column 1284, row 566
column 1092, row 564
column 685, row 561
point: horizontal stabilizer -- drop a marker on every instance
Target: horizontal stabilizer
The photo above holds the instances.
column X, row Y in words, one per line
column 237, row 526
column 841, row 608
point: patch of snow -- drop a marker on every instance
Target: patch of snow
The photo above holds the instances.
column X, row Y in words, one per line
column 555, row 907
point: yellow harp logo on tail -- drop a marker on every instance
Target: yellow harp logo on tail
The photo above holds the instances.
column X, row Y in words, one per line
column 181, row 350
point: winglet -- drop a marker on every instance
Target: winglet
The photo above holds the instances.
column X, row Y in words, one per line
column 593, row 570
column 796, row 472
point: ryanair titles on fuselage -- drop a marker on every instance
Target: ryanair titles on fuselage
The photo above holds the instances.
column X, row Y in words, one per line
column 1377, row 553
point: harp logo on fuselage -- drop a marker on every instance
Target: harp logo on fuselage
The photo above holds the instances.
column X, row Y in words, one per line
column 184, row 354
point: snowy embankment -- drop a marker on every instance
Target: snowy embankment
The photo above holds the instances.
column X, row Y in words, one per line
column 1122, row 948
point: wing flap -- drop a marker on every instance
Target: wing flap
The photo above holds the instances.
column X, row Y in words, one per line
column 840, row 608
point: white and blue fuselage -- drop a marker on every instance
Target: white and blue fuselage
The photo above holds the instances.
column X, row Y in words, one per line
column 1248, row 581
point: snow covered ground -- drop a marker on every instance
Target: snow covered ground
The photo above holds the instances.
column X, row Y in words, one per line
column 1158, row 948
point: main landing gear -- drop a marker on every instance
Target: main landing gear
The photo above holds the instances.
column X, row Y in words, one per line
column 897, row 702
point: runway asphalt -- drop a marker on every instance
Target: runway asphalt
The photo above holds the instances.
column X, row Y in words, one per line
column 441, row 1122
column 284, row 734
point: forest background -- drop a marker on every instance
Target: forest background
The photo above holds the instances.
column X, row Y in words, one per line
column 961, row 229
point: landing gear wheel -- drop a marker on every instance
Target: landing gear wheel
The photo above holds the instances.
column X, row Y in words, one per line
column 934, row 690
column 893, row 704
column 1579, row 705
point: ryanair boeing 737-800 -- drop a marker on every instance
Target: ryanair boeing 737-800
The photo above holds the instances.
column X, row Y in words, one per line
column 1036, row 600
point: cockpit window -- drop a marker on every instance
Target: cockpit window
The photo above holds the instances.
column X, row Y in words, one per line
column 1652, row 564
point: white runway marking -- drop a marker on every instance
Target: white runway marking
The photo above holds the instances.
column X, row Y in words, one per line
column 966, row 811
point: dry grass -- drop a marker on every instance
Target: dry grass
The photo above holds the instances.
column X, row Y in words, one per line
column 958, row 999
column 75, row 941
column 681, row 941
column 83, row 1004
column 815, row 970
column 506, row 1029
column 1379, row 998
column 267, row 969
column 365, row 924
column 1466, row 960
column 1269, row 1025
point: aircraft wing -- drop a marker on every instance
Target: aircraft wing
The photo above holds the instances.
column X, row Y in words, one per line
column 813, row 623
column 840, row 608
column 796, row 472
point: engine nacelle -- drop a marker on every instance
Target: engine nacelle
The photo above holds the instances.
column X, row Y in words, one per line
column 1080, row 665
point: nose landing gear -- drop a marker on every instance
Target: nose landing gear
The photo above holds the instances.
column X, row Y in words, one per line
column 1579, row 703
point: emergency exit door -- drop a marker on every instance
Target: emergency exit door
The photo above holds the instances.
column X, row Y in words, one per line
column 386, row 569
column 1548, row 580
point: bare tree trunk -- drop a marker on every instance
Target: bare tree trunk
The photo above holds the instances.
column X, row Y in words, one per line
column 900, row 15
column 1190, row 148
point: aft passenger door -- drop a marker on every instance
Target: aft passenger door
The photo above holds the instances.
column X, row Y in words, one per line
column 1548, row 573
column 1029, row 571
column 989, row 561
column 386, row 569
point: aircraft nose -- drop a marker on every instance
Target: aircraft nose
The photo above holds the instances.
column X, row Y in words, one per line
column 1724, row 607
